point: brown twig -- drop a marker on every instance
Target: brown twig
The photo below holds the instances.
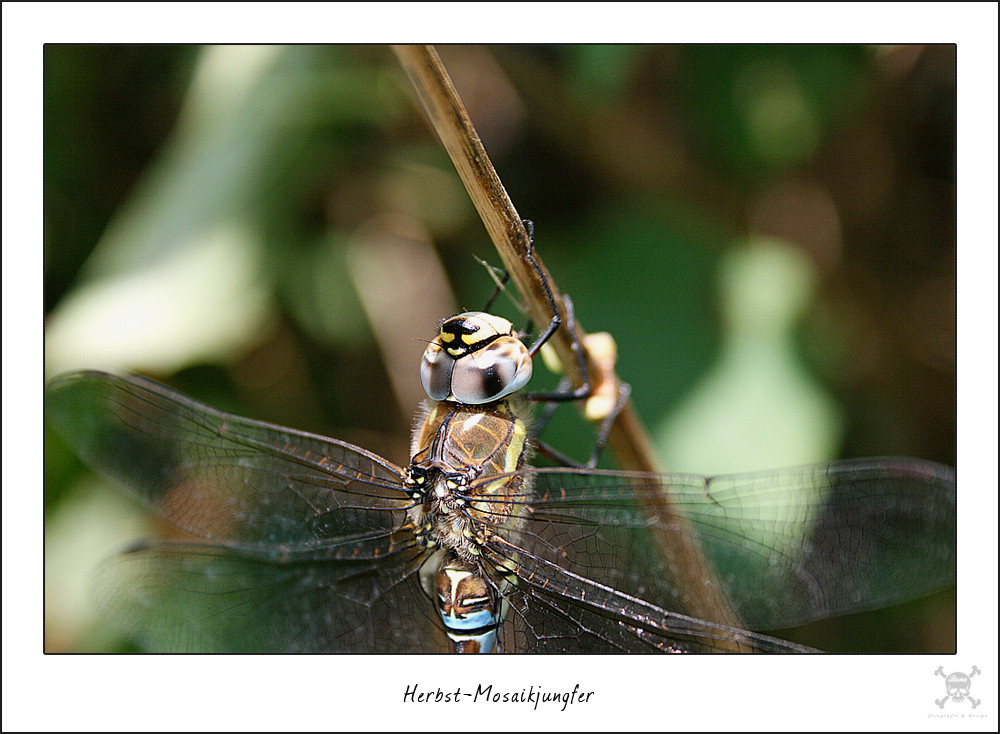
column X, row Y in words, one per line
column 450, row 121
column 628, row 438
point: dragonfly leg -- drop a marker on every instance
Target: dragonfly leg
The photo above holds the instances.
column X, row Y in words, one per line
column 624, row 391
column 563, row 393
column 501, row 281
column 600, row 441
column 583, row 390
column 557, row 456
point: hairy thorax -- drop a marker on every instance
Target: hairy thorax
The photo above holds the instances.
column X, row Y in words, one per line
column 456, row 451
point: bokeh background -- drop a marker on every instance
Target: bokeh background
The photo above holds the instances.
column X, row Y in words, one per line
column 767, row 231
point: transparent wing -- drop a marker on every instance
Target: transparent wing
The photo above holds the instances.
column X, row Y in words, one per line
column 787, row 547
column 554, row 609
column 267, row 491
column 312, row 551
column 186, row 598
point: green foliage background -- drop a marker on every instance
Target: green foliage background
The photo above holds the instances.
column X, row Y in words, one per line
column 241, row 204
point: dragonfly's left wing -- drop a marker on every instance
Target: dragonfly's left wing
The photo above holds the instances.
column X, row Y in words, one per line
column 307, row 547
column 787, row 546
column 179, row 597
column 265, row 490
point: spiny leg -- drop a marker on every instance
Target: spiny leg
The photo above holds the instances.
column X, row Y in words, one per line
column 600, row 440
column 563, row 394
column 564, row 391
column 501, row 281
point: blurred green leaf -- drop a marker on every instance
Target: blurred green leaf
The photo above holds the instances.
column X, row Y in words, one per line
column 219, row 189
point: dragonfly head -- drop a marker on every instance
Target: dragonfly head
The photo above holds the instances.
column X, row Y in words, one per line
column 476, row 358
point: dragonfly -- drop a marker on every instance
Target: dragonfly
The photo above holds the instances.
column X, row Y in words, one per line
column 310, row 544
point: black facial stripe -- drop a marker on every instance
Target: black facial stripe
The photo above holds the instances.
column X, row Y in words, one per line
column 463, row 348
column 460, row 326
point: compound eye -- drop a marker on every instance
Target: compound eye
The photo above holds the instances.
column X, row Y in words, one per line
column 495, row 371
column 436, row 368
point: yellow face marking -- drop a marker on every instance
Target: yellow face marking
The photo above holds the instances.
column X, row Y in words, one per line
column 456, row 351
column 469, row 339
column 446, row 336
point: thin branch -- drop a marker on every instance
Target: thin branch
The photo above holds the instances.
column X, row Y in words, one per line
column 450, row 121
column 628, row 438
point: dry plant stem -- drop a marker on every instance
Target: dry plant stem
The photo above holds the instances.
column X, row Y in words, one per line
column 453, row 126
column 628, row 439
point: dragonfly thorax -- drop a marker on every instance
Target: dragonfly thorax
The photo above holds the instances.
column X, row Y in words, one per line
column 460, row 475
column 476, row 358
column 444, row 515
